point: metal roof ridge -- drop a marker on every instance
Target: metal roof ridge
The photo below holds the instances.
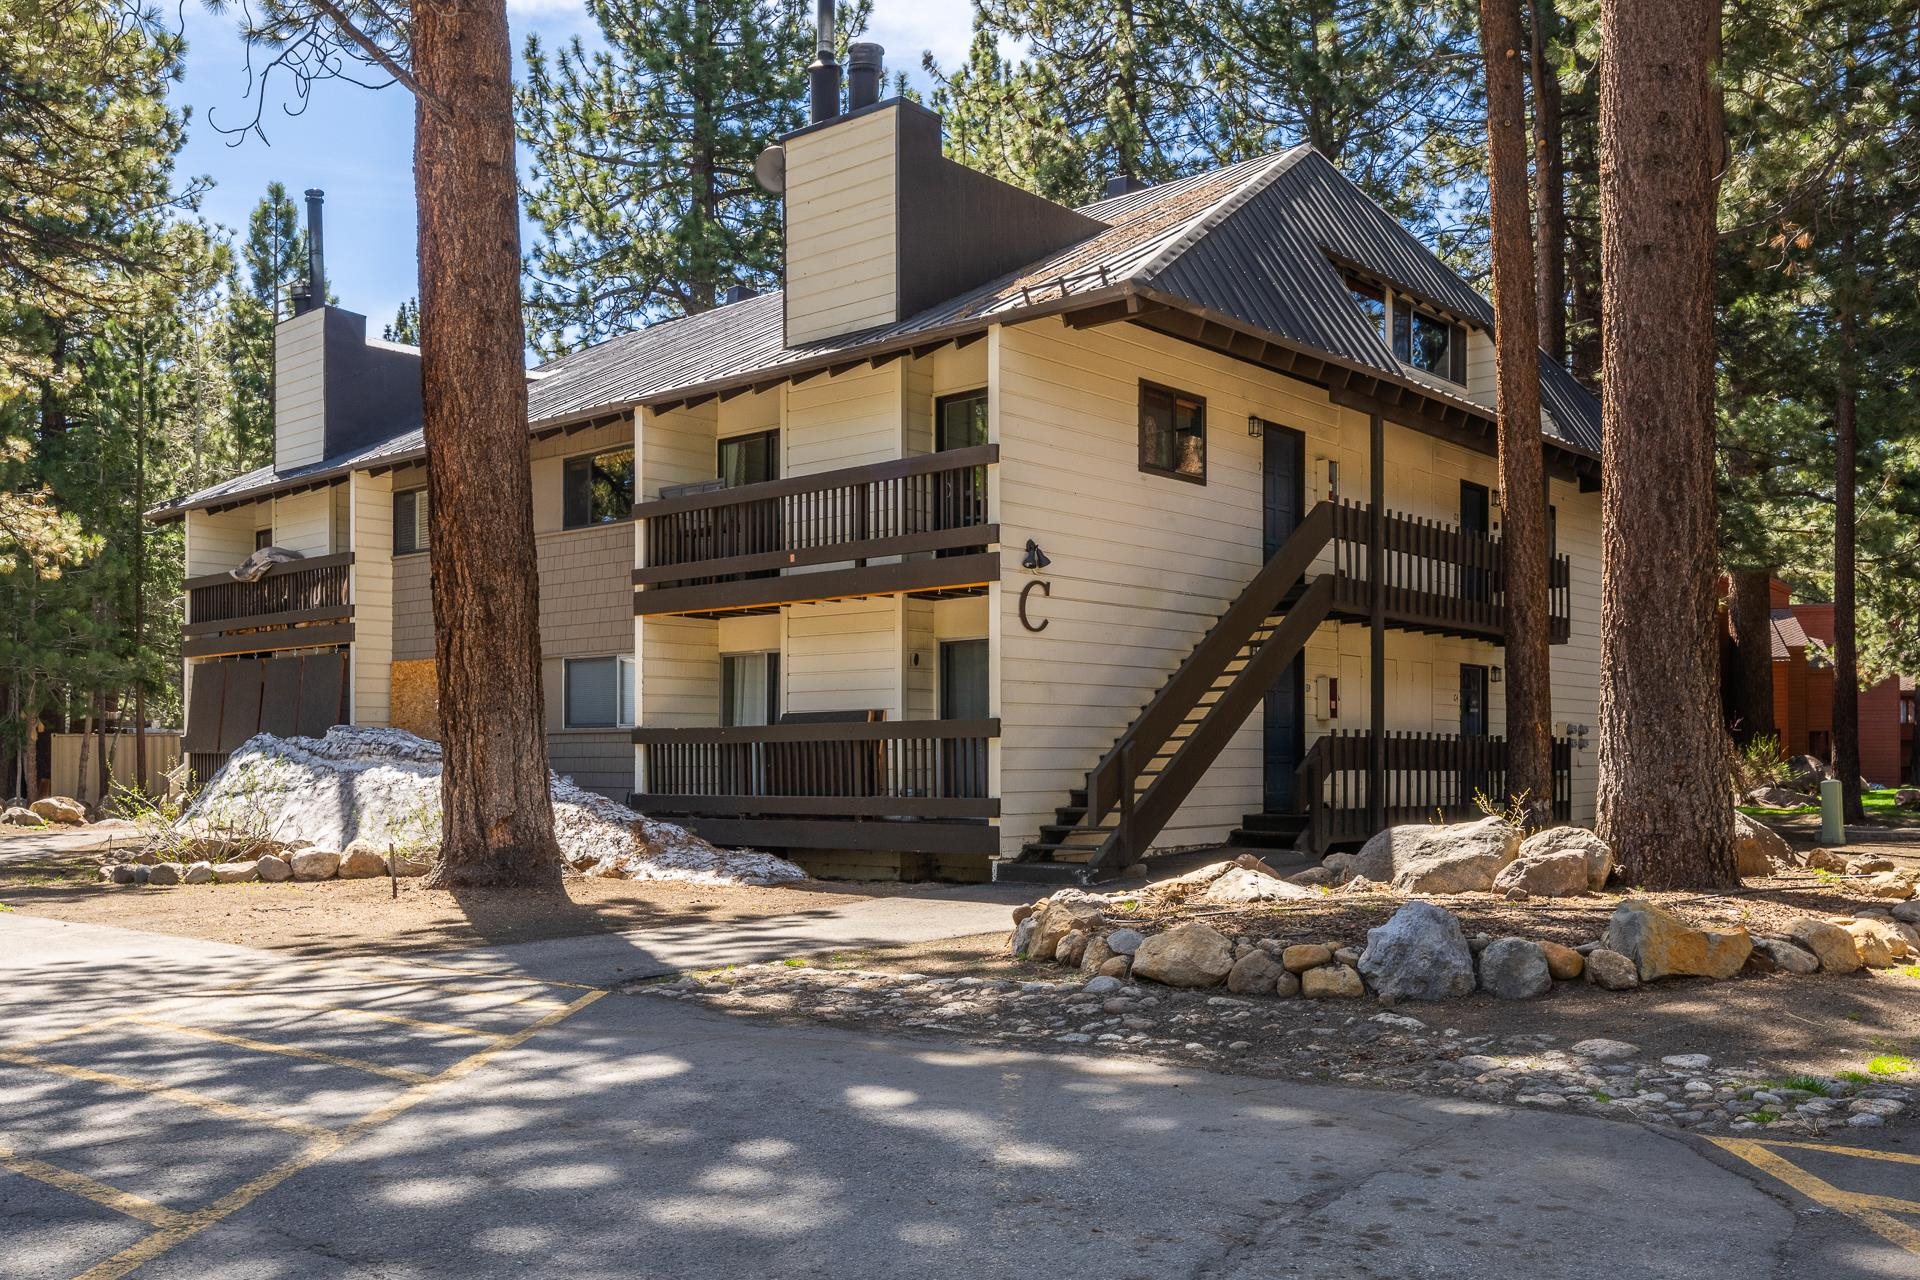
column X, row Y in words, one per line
column 1220, row 210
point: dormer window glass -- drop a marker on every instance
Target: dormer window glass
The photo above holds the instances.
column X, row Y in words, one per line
column 1420, row 338
column 1372, row 301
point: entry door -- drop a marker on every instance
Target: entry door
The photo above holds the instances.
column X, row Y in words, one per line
column 964, row 695
column 1476, row 509
column 1473, row 724
column 1283, row 738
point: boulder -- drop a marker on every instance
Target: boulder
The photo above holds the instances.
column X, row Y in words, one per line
column 1180, row 888
column 198, row 873
column 362, row 861
column 1757, row 847
column 404, row 865
column 1907, row 797
column 1020, row 945
column 1332, row 982
column 1832, row 944
column 1124, row 942
column 1879, row 942
column 1060, row 915
column 1070, row 948
column 1564, row 963
column 164, row 873
column 1255, row 974
column 1243, row 885
column 235, row 872
column 1598, row 853
column 1603, row 1049
column 1120, row 967
column 20, row 816
column 1100, row 985
column 1515, row 969
column 1312, row 877
column 1772, row 797
column 1419, row 954
column 1805, row 773
column 1662, row 945
column 1897, row 885
column 1187, row 955
column 272, row 868
column 1868, row 864
column 1253, row 862
column 314, row 864
column 1457, row 858
column 1095, row 954
column 1787, row 955
column 1611, row 971
column 130, row 873
column 1302, row 956
column 63, row 810
column 1908, row 912
column 1559, row 873
column 1825, row 860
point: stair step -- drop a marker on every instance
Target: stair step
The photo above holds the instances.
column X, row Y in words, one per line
column 1288, row 822
column 1006, row 871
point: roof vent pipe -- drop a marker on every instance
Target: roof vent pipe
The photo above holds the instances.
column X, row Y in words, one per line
column 316, row 251
column 864, row 72
column 823, row 73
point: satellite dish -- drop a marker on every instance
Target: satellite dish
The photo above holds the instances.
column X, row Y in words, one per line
column 770, row 168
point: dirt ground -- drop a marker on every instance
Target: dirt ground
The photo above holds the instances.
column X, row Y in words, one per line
column 347, row 916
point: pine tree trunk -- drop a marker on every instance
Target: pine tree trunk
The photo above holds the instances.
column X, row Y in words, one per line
column 1664, row 804
column 497, row 814
column 1846, row 650
column 1750, row 614
column 1523, row 494
column 1550, row 197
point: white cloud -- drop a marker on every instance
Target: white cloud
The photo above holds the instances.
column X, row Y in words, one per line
column 910, row 27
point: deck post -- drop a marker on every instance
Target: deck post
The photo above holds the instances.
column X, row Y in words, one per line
column 1377, row 595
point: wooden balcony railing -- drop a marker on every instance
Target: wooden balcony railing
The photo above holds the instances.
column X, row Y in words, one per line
column 1438, row 578
column 298, row 604
column 906, row 769
column 1430, row 777
column 727, row 549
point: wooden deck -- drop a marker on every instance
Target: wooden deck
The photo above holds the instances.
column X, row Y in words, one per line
column 301, row 604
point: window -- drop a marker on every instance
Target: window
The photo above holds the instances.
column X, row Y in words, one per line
column 749, row 688
column 409, row 521
column 597, row 489
column 262, row 538
column 599, row 693
column 960, row 422
column 1173, row 433
column 1372, row 301
column 1427, row 342
column 750, row 459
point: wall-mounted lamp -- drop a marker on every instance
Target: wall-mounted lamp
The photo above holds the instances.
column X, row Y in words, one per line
column 1255, row 427
column 1494, row 675
column 1035, row 557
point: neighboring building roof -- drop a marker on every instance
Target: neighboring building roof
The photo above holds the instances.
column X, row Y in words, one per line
column 1787, row 634
column 1261, row 242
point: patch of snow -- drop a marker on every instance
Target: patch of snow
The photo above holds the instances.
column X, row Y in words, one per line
column 383, row 786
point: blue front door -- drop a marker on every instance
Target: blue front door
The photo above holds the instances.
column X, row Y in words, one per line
column 1282, row 738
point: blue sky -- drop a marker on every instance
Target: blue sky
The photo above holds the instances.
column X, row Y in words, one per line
column 357, row 144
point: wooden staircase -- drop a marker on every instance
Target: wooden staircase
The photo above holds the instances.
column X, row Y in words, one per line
column 1154, row 765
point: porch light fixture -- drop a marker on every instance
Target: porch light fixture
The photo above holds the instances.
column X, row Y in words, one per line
column 1494, row 675
column 1255, row 427
column 1035, row 558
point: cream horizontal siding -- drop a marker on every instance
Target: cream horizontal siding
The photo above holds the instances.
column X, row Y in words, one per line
column 842, row 227
column 843, row 655
column 1576, row 664
column 303, row 522
column 846, row 421
column 679, row 684
column 372, row 578
column 1483, row 386
column 299, row 390
column 217, row 541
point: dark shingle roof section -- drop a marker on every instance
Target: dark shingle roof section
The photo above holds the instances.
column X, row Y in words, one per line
column 1261, row 241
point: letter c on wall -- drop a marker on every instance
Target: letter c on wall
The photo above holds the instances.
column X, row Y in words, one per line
column 1046, row 589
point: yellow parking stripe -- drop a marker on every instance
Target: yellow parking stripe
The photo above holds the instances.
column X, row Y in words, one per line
column 1860, row 1153
column 401, row 962
column 421, row 1024
column 1867, row 1210
column 220, row 1107
column 356, row 983
column 287, row 1050
column 191, row 1224
column 93, row 1189
column 55, row 1037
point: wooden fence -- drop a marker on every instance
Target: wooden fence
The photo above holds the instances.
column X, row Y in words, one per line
column 69, row 779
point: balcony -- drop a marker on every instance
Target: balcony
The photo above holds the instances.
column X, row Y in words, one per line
column 300, row 604
column 1429, row 777
column 913, row 526
column 1439, row 579
column 911, row 786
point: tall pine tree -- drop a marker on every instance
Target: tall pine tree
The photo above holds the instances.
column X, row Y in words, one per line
column 275, row 256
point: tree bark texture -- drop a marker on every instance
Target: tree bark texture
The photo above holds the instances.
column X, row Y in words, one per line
column 1664, row 798
column 1750, row 617
column 1550, row 197
column 1846, row 621
column 1523, row 492
column 497, row 812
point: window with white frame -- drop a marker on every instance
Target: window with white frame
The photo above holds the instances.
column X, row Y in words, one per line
column 599, row 692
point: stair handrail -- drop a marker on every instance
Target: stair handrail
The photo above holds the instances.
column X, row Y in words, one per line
column 1255, row 603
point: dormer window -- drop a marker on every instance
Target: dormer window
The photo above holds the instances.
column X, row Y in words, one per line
column 1421, row 338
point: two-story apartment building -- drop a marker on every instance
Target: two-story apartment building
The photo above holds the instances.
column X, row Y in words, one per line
column 1007, row 539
